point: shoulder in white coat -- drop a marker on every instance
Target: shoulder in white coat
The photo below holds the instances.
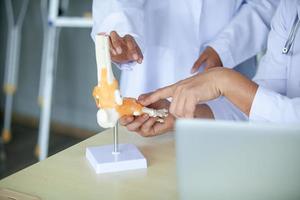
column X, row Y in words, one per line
column 247, row 33
column 269, row 105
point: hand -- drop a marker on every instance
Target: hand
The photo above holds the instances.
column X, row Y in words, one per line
column 207, row 86
column 186, row 94
column 148, row 126
column 210, row 58
column 124, row 49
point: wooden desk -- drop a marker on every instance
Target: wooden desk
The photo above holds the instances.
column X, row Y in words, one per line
column 68, row 175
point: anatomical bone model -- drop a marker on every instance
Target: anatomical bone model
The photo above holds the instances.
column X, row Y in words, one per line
column 107, row 94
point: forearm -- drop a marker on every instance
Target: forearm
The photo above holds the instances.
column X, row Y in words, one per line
column 237, row 89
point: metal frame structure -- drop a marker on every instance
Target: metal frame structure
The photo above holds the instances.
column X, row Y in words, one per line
column 52, row 27
column 15, row 24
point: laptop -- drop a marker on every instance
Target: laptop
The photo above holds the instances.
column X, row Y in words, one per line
column 219, row 160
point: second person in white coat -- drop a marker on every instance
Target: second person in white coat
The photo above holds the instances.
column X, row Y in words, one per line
column 166, row 38
column 273, row 95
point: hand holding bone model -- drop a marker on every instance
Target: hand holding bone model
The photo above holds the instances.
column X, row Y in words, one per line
column 124, row 49
column 107, row 94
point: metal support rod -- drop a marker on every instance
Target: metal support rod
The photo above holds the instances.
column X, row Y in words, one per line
column 44, row 14
column 44, row 125
column 12, row 61
column 116, row 139
column 50, row 48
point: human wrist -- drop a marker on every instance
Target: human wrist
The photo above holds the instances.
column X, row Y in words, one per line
column 222, row 79
column 238, row 89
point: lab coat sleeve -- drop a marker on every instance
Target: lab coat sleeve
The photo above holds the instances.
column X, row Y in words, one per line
column 246, row 35
column 124, row 17
column 269, row 106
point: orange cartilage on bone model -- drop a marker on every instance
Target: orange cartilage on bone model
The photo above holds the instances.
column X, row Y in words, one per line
column 107, row 94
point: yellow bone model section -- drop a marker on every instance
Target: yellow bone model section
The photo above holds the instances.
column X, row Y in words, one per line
column 107, row 94
column 104, row 95
column 130, row 107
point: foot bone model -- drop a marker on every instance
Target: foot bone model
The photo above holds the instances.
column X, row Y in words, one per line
column 107, row 94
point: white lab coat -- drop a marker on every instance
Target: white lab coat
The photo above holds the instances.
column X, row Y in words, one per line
column 173, row 33
column 278, row 96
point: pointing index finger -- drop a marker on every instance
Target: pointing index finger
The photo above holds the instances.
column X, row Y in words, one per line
column 162, row 93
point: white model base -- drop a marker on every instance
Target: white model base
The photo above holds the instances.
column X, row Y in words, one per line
column 104, row 160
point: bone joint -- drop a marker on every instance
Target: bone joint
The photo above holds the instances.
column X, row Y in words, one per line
column 107, row 95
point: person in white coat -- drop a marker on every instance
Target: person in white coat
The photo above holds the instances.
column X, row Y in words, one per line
column 272, row 96
column 164, row 39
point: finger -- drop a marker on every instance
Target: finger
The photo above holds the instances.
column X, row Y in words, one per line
column 190, row 106
column 144, row 96
column 180, row 107
column 140, row 55
column 160, row 128
column 162, row 93
column 124, row 121
column 131, row 47
column 111, row 49
column 134, row 49
column 139, row 52
column 198, row 63
column 148, row 126
column 177, row 102
column 137, row 123
column 116, row 42
column 173, row 105
column 168, row 125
